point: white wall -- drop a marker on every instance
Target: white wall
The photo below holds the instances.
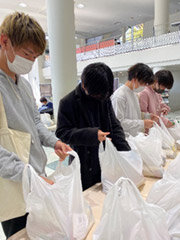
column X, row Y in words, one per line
column 174, row 95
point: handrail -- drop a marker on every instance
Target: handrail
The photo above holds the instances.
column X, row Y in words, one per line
column 140, row 44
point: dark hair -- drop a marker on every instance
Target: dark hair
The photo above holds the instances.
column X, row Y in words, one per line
column 142, row 72
column 43, row 99
column 98, row 79
column 164, row 78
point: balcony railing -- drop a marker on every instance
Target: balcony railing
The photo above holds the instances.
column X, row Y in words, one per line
column 109, row 48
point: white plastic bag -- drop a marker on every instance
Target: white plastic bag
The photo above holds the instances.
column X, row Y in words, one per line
column 174, row 168
column 116, row 164
column 150, row 149
column 166, row 194
column 168, row 141
column 126, row 216
column 175, row 130
column 57, row 211
column 46, row 119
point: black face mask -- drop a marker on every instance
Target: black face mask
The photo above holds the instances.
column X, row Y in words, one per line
column 160, row 91
column 97, row 97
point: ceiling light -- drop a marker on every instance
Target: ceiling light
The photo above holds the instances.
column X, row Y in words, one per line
column 80, row 5
column 22, row 4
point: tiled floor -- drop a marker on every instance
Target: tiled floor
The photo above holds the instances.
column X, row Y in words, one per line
column 51, row 166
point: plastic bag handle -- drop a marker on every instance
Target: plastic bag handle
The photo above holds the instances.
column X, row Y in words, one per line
column 127, row 182
column 165, row 129
column 27, row 178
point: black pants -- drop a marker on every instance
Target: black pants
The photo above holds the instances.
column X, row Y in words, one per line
column 14, row 225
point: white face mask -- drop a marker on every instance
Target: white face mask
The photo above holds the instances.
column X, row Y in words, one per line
column 139, row 89
column 20, row 65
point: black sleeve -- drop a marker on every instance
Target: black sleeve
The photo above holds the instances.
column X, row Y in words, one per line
column 117, row 134
column 67, row 129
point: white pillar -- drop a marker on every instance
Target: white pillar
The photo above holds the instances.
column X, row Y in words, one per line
column 124, row 34
column 161, row 17
column 61, row 31
column 34, row 80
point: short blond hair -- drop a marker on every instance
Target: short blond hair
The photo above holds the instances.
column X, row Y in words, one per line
column 20, row 28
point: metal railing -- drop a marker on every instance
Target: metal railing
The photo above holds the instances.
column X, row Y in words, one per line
column 137, row 45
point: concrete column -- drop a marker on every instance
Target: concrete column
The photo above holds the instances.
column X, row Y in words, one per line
column 61, row 31
column 161, row 17
column 124, row 34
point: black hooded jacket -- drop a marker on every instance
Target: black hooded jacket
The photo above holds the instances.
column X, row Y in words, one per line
column 79, row 118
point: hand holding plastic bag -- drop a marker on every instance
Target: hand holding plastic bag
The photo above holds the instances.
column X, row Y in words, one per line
column 116, row 164
column 57, row 211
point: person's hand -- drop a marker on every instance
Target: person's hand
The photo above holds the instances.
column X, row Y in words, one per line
column 164, row 112
column 102, row 135
column 169, row 124
column 148, row 123
column 154, row 117
column 61, row 150
column 47, row 180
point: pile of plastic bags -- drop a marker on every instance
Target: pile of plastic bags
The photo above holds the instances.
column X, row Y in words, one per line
column 126, row 216
column 166, row 194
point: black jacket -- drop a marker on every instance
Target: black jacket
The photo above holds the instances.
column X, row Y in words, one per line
column 79, row 118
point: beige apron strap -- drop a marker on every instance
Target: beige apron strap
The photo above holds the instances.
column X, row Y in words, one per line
column 3, row 119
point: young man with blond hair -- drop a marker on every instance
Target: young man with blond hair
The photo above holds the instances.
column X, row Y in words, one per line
column 22, row 40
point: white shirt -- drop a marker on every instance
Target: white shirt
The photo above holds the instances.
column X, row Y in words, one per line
column 127, row 109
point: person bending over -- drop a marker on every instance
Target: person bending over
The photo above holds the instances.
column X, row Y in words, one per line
column 150, row 98
column 86, row 118
column 126, row 103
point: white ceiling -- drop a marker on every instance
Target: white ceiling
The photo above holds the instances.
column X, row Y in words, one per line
column 97, row 17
